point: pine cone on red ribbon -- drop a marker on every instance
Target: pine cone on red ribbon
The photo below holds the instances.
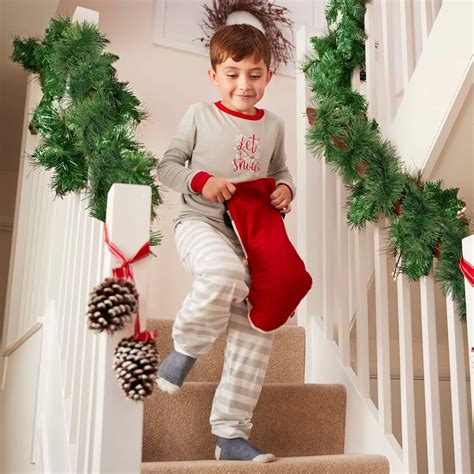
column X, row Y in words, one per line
column 136, row 366
column 111, row 304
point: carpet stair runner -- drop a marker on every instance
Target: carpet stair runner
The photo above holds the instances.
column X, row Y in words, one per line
column 301, row 424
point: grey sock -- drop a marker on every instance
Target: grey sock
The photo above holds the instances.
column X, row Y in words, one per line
column 239, row 449
column 175, row 367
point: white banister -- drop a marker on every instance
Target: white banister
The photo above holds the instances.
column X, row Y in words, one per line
column 431, row 374
column 351, row 265
column 83, row 421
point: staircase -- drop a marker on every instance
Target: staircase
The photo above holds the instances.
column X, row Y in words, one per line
column 358, row 330
column 302, row 424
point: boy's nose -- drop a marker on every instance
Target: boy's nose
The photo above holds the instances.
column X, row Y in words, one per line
column 244, row 85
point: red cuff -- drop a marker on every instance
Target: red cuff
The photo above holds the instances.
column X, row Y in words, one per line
column 284, row 184
column 199, row 181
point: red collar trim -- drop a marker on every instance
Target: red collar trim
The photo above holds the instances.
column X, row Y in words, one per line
column 257, row 116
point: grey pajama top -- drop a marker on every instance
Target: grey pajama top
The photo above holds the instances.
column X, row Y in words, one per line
column 227, row 144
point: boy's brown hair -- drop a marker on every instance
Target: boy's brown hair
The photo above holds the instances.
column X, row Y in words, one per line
column 239, row 41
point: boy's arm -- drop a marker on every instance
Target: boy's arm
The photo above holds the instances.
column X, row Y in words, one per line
column 171, row 169
column 277, row 168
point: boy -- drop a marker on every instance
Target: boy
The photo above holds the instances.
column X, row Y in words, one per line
column 227, row 141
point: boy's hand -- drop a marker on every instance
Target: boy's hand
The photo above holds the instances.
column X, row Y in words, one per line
column 218, row 189
column 281, row 198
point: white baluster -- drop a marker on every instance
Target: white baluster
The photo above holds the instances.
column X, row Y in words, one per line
column 329, row 227
column 362, row 312
column 426, row 16
column 64, row 263
column 81, row 390
column 77, row 305
column 370, row 62
column 382, row 325
column 342, row 279
column 32, row 310
column 309, row 233
column 57, row 247
column 48, row 237
column 74, row 384
column 457, row 372
column 377, row 69
column 431, row 375
column 435, row 6
column 407, row 41
column 407, row 388
column 370, row 269
column 388, row 61
column 31, row 234
column 353, row 277
column 91, row 433
column 68, row 289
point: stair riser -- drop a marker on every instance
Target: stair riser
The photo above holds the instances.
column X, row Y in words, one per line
column 286, row 360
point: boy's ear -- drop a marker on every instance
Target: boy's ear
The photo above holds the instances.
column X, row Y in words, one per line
column 269, row 75
column 213, row 76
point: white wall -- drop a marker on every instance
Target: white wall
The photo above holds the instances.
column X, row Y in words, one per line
column 455, row 165
column 166, row 81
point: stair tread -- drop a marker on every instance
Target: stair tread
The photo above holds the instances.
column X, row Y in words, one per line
column 354, row 463
column 289, row 420
column 286, row 364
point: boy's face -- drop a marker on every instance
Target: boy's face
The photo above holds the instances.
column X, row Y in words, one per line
column 241, row 84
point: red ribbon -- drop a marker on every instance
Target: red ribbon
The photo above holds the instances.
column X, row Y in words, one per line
column 467, row 269
column 125, row 270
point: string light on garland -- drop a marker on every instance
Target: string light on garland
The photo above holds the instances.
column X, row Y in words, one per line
column 271, row 16
column 397, row 269
column 426, row 221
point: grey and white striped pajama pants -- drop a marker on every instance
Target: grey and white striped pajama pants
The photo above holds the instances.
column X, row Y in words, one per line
column 218, row 298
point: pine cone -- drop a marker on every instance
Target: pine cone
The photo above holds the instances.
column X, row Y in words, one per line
column 111, row 304
column 136, row 366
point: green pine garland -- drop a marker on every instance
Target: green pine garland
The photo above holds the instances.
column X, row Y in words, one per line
column 425, row 220
column 86, row 118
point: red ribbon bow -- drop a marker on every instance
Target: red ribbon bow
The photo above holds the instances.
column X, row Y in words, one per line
column 467, row 269
column 125, row 270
